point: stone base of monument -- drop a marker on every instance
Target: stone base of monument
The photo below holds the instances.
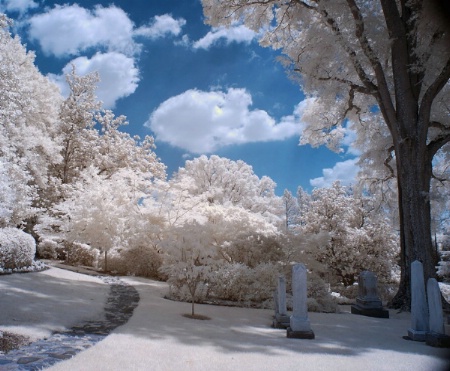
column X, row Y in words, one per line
column 370, row 312
column 417, row 335
column 300, row 334
column 281, row 321
column 437, row 340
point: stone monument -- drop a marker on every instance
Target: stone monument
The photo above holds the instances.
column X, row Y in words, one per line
column 368, row 302
column 436, row 336
column 299, row 326
column 419, row 308
column 281, row 319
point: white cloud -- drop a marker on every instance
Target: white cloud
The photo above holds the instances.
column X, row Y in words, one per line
column 118, row 75
column 184, row 41
column 345, row 172
column 71, row 29
column 202, row 122
column 161, row 26
column 240, row 34
column 20, row 6
column 349, row 139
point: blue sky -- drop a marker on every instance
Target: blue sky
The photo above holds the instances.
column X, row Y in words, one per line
column 196, row 89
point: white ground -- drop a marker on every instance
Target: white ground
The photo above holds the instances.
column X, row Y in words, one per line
column 158, row 337
column 36, row 304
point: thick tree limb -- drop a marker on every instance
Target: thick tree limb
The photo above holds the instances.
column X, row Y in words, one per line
column 433, row 90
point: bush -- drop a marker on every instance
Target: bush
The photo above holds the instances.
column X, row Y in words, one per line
column 47, row 249
column 17, row 249
column 238, row 282
column 319, row 296
column 81, row 254
column 51, row 249
column 443, row 268
column 142, row 261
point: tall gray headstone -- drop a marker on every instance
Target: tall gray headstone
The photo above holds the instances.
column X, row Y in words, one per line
column 281, row 318
column 436, row 335
column 436, row 315
column 419, row 307
column 300, row 326
column 282, row 295
column 368, row 303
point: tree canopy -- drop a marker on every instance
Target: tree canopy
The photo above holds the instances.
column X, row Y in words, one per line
column 384, row 66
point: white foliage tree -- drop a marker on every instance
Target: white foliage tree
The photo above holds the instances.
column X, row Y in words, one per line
column 217, row 202
column 93, row 142
column 98, row 211
column 29, row 126
column 358, row 239
column 191, row 260
column 218, row 185
column 292, row 213
column 362, row 60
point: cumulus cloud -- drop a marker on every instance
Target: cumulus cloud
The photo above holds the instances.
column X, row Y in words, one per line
column 240, row 34
column 162, row 25
column 71, row 29
column 20, row 6
column 68, row 30
column 349, row 139
column 203, row 122
column 119, row 76
column 345, row 172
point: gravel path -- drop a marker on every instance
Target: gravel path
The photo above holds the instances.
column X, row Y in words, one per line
column 121, row 302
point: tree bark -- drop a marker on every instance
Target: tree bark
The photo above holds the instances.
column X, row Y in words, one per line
column 414, row 172
column 106, row 261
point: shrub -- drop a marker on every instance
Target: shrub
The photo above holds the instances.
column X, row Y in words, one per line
column 238, row 282
column 142, row 261
column 443, row 268
column 17, row 249
column 319, row 296
column 81, row 254
column 52, row 249
column 139, row 261
column 47, row 249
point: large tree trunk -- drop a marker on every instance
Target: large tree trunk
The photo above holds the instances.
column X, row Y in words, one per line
column 414, row 171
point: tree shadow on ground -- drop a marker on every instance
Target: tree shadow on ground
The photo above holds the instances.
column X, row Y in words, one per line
column 239, row 330
column 41, row 303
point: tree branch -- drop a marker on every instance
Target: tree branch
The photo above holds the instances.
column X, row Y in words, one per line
column 387, row 163
column 433, row 90
column 437, row 143
column 384, row 97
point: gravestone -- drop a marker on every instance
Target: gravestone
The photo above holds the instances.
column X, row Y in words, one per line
column 299, row 326
column 436, row 336
column 419, row 307
column 368, row 302
column 281, row 318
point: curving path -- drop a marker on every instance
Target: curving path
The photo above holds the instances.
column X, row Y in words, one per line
column 122, row 300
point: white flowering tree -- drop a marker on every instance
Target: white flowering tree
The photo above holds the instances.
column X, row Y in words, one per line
column 77, row 133
column 213, row 183
column 191, row 260
column 29, row 123
column 99, row 212
column 383, row 64
column 291, row 209
column 229, row 208
column 358, row 238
